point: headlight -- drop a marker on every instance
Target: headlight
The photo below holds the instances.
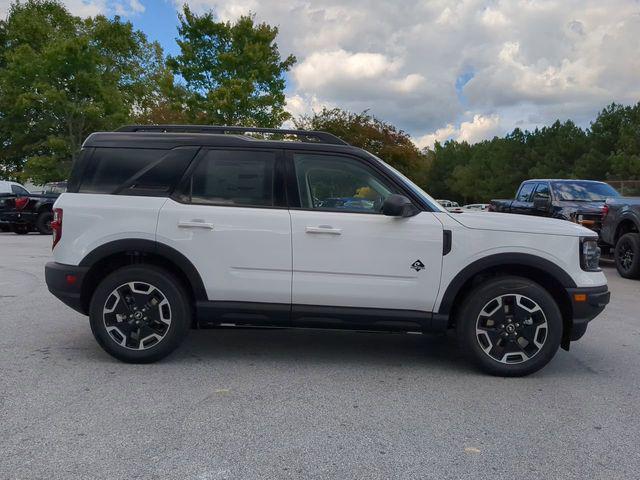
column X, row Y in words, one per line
column 589, row 255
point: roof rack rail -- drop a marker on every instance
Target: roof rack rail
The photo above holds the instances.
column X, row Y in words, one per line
column 303, row 135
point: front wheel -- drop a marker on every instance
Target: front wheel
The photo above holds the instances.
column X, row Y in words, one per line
column 139, row 313
column 510, row 326
column 627, row 255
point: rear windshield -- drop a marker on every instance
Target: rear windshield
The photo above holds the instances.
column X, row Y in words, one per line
column 133, row 171
column 583, row 191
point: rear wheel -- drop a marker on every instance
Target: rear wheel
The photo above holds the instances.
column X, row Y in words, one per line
column 20, row 228
column 627, row 255
column 510, row 326
column 43, row 223
column 139, row 313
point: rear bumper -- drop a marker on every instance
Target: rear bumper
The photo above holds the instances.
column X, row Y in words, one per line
column 17, row 217
column 65, row 282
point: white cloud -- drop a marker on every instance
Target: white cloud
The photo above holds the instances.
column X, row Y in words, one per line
column 529, row 61
column 129, row 8
column 440, row 135
column 480, row 127
column 326, row 69
column 298, row 105
column 90, row 8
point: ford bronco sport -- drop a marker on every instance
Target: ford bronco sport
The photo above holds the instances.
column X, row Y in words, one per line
column 163, row 228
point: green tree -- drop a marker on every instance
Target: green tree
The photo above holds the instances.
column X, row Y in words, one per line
column 233, row 72
column 62, row 78
column 164, row 100
column 380, row 138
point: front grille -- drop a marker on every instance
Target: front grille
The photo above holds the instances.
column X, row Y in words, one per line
column 592, row 221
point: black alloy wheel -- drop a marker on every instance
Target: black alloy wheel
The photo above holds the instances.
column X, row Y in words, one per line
column 627, row 255
column 43, row 223
column 509, row 326
column 140, row 313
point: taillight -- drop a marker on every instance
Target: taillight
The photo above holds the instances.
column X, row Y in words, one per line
column 21, row 202
column 56, row 226
column 605, row 211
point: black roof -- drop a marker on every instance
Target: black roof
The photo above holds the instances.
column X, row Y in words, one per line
column 558, row 180
column 171, row 136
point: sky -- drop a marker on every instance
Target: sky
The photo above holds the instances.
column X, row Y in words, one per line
column 458, row 69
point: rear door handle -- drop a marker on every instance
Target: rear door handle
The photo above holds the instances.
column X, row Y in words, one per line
column 328, row 229
column 195, row 224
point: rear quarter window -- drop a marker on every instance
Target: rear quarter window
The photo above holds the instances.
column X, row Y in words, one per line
column 134, row 171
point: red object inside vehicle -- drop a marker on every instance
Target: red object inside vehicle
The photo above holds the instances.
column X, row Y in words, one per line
column 21, row 202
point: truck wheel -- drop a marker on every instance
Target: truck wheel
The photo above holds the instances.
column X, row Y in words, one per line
column 43, row 223
column 627, row 255
column 20, row 228
column 509, row 326
column 139, row 313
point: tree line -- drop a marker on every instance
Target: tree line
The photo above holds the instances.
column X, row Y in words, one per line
column 63, row 77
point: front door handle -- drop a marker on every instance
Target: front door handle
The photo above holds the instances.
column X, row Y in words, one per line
column 195, row 224
column 328, row 229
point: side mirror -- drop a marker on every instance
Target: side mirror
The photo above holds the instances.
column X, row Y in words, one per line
column 399, row 206
column 541, row 203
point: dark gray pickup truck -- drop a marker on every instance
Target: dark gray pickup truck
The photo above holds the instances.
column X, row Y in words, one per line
column 579, row 201
column 621, row 230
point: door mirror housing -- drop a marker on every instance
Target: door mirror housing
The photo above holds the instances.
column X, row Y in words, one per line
column 399, row 206
column 541, row 203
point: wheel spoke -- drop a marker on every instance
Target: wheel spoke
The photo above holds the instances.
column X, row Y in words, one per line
column 137, row 315
column 511, row 328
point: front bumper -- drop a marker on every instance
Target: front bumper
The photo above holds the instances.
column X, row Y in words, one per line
column 65, row 282
column 586, row 304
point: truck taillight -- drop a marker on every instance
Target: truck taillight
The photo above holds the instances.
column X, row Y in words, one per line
column 56, row 226
column 21, row 202
column 605, row 211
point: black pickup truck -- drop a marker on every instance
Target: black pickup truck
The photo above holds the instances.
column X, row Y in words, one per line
column 579, row 201
column 23, row 213
column 621, row 230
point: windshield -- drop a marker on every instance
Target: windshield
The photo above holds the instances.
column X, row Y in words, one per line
column 584, row 191
column 435, row 206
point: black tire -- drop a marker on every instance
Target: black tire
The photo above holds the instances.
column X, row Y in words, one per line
column 534, row 343
column 120, row 342
column 20, row 228
column 43, row 223
column 627, row 255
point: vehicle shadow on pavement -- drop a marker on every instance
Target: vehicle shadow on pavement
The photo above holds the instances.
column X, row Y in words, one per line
column 320, row 347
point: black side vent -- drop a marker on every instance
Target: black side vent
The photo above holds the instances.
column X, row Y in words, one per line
column 446, row 241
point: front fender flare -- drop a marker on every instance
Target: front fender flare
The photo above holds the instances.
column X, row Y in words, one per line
column 497, row 260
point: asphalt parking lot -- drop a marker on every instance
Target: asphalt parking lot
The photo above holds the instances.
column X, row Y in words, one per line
column 304, row 404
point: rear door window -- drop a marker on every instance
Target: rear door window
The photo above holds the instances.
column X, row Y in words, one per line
column 235, row 178
column 525, row 192
column 542, row 191
column 18, row 190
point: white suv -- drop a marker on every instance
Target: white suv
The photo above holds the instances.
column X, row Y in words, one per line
column 167, row 227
